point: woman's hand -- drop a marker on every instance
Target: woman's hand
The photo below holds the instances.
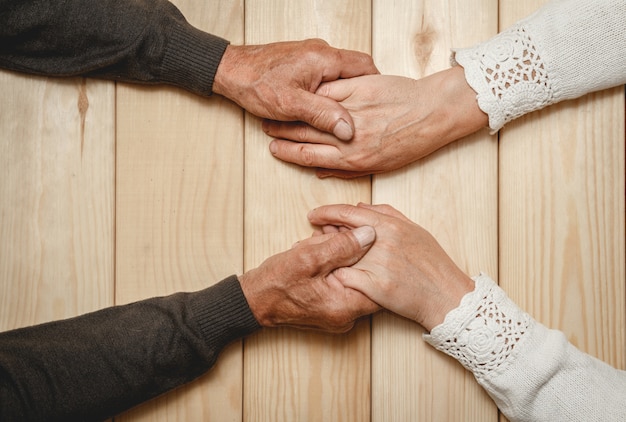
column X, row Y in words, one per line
column 398, row 120
column 405, row 271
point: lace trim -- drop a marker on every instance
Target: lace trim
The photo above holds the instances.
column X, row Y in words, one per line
column 508, row 74
column 484, row 331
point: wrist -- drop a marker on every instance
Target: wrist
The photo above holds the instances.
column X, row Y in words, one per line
column 465, row 112
column 226, row 70
column 259, row 299
column 443, row 109
column 455, row 286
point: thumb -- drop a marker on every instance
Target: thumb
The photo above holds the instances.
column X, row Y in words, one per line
column 357, row 280
column 338, row 90
column 346, row 248
column 365, row 236
column 327, row 115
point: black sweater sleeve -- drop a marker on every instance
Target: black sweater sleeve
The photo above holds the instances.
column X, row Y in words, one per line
column 144, row 41
column 97, row 365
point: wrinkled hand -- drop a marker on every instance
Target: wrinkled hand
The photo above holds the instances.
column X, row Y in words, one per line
column 405, row 271
column 297, row 288
column 278, row 81
column 398, row 120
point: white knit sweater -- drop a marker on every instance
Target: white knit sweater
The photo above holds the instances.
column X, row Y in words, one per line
column 531, row 372
column 564, row 50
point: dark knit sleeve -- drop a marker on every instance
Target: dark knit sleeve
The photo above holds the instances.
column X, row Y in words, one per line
column 97, row 365
column 142, row 41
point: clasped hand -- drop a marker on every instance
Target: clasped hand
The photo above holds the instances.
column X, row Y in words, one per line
column 405, row 270
column 298, row 287
column 278, row 81
column 362, row 258
column 398, row 120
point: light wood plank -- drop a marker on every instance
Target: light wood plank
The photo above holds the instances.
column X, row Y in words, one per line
column 56, row 189
column 562, row 220
column 453, row 194
column 292, row 375
column 562, row 216
column 180, row 209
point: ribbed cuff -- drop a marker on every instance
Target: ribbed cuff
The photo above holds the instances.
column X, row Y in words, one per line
column 191, row 59
column 223, row 314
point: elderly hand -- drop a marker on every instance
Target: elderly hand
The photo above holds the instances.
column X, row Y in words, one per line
column 405, row 271
column 297, row 288
column 278, row 81
column 398, row 120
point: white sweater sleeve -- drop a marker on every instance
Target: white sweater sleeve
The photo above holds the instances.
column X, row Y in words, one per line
column 564, row 50
column 531, row 372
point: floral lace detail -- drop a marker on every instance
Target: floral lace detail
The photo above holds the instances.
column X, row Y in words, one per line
column 484, row 331
column 508, row 74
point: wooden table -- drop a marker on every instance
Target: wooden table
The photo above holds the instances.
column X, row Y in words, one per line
column 112, row 193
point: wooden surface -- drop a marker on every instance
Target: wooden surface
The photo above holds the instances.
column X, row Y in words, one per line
column 112, row 193
column 57, row 189
column 562, row 215
column 453, row 194
column 289, row 375
column 179, row 209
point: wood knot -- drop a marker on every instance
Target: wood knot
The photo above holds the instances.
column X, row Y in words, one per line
column 423, row 46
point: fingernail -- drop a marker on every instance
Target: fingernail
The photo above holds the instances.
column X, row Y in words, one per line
column 343, row 130
column 273, row 148
column 265, row 126
column 322, row 175
column 364, row 235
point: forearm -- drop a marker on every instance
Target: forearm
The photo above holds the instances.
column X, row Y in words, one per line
column 531, row 372
column 566, row 49
column 145, row 41
column 97, row 365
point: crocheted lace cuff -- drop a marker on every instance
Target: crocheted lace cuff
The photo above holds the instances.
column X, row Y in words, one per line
column 484, row 332
column 508, row 74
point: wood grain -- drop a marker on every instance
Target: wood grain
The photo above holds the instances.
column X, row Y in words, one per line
column 562, row 217
column 293, row 375
column 180, row 210
column 110, row 195
column 453, row 194
column 56, row 189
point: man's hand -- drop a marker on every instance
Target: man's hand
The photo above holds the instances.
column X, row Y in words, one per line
column 398, row 120
column 278, row 81
column 405, row 271
column 297, row 288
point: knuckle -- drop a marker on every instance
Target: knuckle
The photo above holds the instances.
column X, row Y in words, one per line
column 387, row 288
column 366, row 59
column 308, row 260
column 317, row 51
column 302, row 133
column 289, row 105
column 307, row 156
column 316, row 43
column 395, row 230
column 387, row 207
column 346, row 212
column 341, row 246
column 318, row 116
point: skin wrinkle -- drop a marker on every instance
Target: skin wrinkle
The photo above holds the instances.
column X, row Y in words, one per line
column 419, row 118
column 304, row 65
